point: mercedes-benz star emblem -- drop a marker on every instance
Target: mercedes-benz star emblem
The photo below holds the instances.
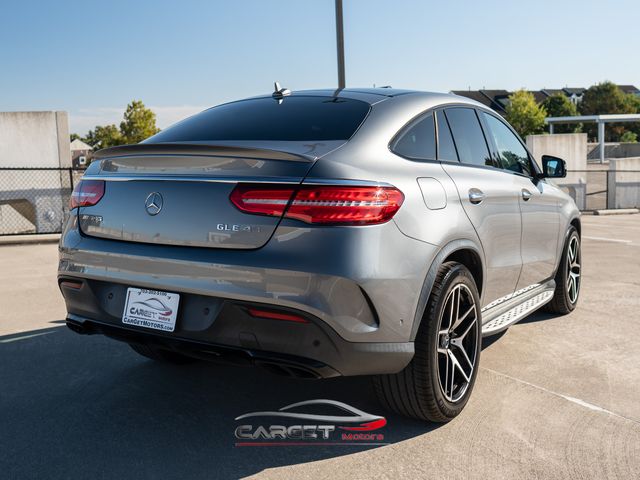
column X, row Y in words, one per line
column 153, row 203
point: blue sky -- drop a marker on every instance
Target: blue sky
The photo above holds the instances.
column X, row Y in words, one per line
column 92, row 57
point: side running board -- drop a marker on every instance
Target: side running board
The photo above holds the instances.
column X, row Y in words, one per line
column 502, row 313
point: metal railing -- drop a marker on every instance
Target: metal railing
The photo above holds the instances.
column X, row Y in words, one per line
column 604, row 189
column 35, row 200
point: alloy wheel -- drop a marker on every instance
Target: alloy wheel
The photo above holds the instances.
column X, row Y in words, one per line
column 457, row 349
column 573, row 269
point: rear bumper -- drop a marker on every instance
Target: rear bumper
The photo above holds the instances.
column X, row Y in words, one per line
column 223, row 330
column 358, row 286
column 362, row 282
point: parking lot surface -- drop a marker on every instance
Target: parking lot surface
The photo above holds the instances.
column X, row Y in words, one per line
column 556, row 397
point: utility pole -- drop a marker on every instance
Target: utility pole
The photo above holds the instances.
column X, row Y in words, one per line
column 340, row 43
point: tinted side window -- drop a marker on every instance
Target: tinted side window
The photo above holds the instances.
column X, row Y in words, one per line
column 297, row 118
column 446, row 148
column 513, row 156
column 418, row 141
column 468, row 136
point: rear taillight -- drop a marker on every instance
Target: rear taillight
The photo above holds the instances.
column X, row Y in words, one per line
column 345, row 205
column 333, row 204
column 261, row 199
column 87, row 193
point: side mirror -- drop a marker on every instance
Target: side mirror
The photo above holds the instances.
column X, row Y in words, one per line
column 553, row 167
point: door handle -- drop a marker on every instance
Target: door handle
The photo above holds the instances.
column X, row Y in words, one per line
column 476, row 196
column 526, row 194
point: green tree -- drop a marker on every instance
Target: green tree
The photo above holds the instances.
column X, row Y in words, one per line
column 139, row 123
column 74, row 136
column 605, row 98
column 629, row 137
column 104, row 137
column 634, row 102
column 524, row 114
column 602, row 99
column 558, row 105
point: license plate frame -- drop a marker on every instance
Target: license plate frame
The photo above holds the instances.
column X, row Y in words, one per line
column 152, row 309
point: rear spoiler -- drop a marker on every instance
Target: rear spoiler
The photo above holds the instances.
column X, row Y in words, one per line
column 209, row 150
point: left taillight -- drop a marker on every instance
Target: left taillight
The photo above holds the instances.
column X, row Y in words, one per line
column 87, row 193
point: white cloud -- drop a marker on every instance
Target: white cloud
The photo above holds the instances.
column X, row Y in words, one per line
column 85, row 119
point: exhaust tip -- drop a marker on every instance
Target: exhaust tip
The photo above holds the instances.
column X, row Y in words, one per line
column 77, row 327
column 288, row 370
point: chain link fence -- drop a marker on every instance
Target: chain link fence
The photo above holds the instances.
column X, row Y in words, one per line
column 35, row 200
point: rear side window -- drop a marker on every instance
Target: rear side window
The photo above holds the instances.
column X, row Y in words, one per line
column 418, row 140
column 468, row 137
column 296, row 118
column 513, row 156
column 446, row 148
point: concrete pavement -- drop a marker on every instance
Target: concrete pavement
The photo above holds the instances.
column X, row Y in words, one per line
column 556, row 397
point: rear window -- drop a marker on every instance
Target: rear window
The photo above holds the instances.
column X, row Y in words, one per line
column 418, row 141
column 294, row 119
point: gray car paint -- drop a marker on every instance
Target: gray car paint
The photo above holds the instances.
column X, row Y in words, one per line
column 327, row 271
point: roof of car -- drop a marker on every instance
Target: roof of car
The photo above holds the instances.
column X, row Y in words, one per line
column 376, row 95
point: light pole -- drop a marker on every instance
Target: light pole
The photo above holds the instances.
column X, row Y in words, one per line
column 340, row 43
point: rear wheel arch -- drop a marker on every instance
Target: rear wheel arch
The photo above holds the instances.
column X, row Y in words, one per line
column 470, row 259
column 448, row 348
column 463, row 251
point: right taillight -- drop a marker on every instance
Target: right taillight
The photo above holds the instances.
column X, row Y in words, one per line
column 86, row 193
column 331, row 204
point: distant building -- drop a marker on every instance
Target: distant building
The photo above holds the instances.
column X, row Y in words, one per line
column 538, row 95
column 630, row 89
column 498, row 99
column 495, row 99
column 80, row 153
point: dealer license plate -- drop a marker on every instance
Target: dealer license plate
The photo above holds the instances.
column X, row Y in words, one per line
column 151, row 309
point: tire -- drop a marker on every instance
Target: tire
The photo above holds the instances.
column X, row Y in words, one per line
column 568, row 277
column 418, row 391
column 161, row 355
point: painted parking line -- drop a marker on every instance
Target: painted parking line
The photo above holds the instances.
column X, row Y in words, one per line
column 577, row 401
column 23, row 337
column 604, row 239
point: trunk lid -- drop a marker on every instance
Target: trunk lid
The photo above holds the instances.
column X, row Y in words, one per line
column 178, row 194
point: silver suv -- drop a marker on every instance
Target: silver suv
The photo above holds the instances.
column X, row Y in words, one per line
column 352, row 232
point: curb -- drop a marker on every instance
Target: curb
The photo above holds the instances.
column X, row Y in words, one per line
column 620, row 211
column 29, row 239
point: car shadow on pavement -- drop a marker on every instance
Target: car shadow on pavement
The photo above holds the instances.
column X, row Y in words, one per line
column 490, row 340
column 540, row 317
column 88, row 407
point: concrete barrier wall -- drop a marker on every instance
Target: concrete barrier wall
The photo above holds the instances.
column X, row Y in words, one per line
column 34, row 139
column 33, row 201
column 624, row 183
column 572, row 148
